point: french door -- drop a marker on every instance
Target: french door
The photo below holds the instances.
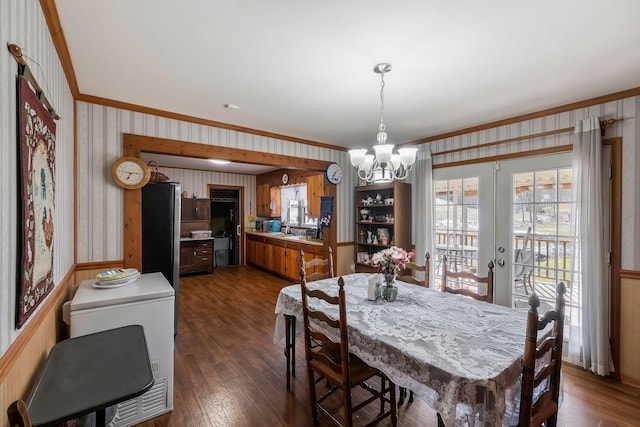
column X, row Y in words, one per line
column 533, row 245
column 463, row 218
column 519, row 212
column 515, row 213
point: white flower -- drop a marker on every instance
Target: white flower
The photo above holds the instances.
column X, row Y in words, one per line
column 390, row 260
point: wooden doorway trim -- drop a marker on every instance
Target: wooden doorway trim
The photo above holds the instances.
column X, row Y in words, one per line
column 133, row 145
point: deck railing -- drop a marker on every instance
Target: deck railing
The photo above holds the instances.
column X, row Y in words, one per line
column 545, row 250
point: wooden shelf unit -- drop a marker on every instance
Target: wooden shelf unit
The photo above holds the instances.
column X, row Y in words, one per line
column 394, row 217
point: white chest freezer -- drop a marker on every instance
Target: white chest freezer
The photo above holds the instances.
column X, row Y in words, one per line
column 149, row 302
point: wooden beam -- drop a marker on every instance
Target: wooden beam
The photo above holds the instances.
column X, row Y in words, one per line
column 155, row 145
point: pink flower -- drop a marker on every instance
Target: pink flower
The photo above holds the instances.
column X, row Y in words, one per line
column 390, row 260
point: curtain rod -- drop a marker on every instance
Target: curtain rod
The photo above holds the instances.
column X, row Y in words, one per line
column 603, row 126
column 25, row 71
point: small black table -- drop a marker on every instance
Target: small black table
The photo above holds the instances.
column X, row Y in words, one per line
column 90, row 373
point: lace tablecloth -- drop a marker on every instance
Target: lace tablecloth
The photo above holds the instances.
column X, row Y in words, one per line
column 464, row 357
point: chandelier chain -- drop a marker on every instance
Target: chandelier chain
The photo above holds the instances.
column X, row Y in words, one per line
column 382, row 126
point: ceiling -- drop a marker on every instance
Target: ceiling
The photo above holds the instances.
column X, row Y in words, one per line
column 305, row 69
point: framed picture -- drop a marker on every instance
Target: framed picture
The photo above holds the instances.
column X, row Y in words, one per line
column 36, row 148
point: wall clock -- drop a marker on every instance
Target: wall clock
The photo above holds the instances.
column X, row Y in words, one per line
column 285, row 178
column 130, row 173
column 334, row 173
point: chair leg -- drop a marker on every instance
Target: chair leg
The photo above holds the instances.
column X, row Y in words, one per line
column 293, row 346
column 287, row 348
column 394, row 407
column 403, row 394
column 346, row 400
column 383, row 384
column 312, row 396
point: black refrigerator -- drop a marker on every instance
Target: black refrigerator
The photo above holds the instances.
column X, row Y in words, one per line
column 161, row 234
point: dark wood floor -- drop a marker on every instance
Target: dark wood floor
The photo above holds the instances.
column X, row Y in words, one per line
column 228, row 371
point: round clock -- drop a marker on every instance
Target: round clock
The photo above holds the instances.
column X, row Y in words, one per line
column 285, row 178
column 334, row 173
column 130, row 173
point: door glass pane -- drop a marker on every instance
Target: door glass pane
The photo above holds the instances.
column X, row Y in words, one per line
column 541, row 235
column 456, row 224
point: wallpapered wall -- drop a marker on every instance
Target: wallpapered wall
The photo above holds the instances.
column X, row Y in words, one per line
column 22, row 23
column 100, row 132
column 100, row 201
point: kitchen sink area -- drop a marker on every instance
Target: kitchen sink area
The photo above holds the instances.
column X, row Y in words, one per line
column 289, row 236
column 279, row 253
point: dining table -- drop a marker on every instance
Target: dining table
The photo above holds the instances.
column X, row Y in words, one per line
column 462, row 356
column 90, row 373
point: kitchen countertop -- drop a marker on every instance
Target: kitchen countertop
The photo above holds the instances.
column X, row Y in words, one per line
column 195, row 239
column 286, row 237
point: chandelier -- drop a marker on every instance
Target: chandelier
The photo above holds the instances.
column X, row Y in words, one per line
column 384, row 165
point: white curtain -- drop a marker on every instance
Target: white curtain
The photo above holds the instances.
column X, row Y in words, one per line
column 422, row 212
column 589, row 331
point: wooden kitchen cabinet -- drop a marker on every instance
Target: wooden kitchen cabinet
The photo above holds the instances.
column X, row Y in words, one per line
column 196, row 256
column 263, row 198
column 196, row 209
column 292, row 266
column 264, row 195
column 315, row 190
column 279, row 256
column 251, row 251
column 261, row 254
column 279, row 260
column 187, row 257
column 203, row 256
column 275, row 197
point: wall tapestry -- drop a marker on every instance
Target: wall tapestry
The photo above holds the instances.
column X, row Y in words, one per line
column 36, row 139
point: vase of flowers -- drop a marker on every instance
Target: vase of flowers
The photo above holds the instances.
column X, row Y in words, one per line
column 388, row 262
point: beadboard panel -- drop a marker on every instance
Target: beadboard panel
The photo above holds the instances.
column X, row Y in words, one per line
column 629, row 337
column 628, row 129
column 100, row 132
column 22, row 23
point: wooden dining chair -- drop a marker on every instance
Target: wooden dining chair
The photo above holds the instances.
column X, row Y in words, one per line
column 467, row 283
column 410, row 277
column 316, row 269
column 542, row 363
column 523, row 263
column 18, row 414
column 332, row 361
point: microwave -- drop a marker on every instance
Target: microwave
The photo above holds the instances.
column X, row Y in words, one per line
column 264, row 225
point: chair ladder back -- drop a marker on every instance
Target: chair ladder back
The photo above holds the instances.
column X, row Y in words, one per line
column 331, row 360
column 18, row 414
column 467, row 277
column 412, row 267
column 536, row 368
column 313, row 335
column 317, row 268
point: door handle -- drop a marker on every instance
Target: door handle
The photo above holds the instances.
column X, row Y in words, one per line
column 501, row 262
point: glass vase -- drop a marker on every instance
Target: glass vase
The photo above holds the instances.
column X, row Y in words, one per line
column 390, row 291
